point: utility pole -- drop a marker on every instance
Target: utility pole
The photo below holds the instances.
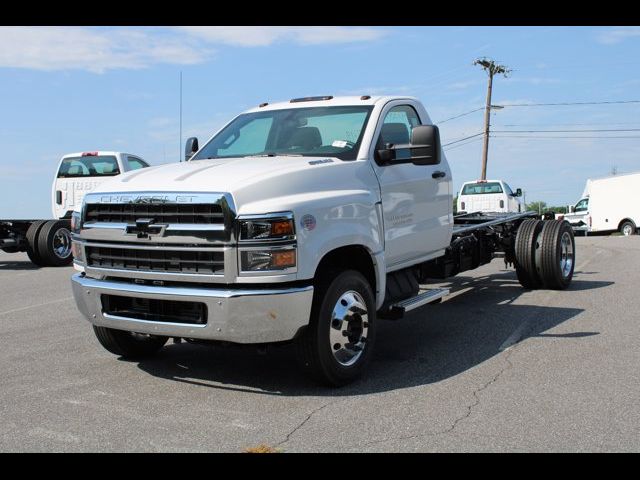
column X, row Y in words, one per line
column 180, row 148
column 492, row 68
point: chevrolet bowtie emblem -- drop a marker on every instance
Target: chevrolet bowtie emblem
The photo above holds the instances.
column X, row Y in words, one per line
column 144, row 227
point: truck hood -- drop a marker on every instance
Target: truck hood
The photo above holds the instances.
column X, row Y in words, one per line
column 249, row 179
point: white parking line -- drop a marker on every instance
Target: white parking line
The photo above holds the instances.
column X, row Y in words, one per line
column 36, row 306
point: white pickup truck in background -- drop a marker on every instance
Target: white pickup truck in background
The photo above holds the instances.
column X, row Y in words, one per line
column 306, row 221
column 488, row 196
column 607, row 205
column 48, row 242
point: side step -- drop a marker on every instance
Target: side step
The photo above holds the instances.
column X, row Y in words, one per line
column 397, row 310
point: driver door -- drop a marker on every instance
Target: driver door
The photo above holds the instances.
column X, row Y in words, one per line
column 416, row 199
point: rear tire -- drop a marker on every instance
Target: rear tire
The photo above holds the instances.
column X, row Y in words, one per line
column 627, row 228
column 54, row 243
column 128, row 344
column 525, row 261
column 337, row 345
column 33, row 233
column 557, row 254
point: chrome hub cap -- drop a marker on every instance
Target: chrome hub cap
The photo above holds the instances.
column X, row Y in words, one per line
column 627, row 230
column 566, row 256
column 62, row 243
column 349, row 327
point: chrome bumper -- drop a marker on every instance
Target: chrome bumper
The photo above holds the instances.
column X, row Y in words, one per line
column 239, row 316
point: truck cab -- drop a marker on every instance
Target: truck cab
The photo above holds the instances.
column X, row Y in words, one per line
column 578, row 215
column 488, row 196
column 82, row 172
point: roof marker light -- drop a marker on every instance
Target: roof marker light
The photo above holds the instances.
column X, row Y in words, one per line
column 365, row 97
column 264, row 104
column 310, row 99
column 89, row 154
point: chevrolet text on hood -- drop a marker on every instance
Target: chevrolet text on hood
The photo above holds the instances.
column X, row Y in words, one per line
column 306, row 221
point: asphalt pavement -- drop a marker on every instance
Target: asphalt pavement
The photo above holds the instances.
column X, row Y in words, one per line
column 491, row 368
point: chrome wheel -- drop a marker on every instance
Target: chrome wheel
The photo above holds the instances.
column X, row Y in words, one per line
column 349, row 327
column 62, row 243
column 566, row 255
column 627, row 230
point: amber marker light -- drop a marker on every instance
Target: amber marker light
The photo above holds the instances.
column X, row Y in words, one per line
column 283, row 259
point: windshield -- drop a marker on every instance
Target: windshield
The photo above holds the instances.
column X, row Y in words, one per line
column 481, row 188
column 316, row 131
column 89, row 166
column 582, row 205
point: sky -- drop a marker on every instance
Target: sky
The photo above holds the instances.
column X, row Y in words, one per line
column 70, row 89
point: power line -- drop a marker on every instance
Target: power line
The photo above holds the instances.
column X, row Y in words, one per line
column 571, row 131
column 616, row 102
column 565, row 136
column 463, row 144
column 463, row 139
column 458, row 116
column 564, row 124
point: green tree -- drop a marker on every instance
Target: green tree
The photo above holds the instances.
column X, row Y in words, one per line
column 538, row 206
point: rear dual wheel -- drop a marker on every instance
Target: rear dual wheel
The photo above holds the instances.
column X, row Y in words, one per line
column 49, row 243
column 545, row 254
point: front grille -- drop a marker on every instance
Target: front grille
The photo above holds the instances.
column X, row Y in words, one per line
column 160, row 213
column 164, row 261
column 155, row 310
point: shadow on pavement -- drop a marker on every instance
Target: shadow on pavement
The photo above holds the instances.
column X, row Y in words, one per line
column 429, row 345
column 18, row 265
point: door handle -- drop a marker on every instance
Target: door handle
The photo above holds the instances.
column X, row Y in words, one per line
column 438, row 174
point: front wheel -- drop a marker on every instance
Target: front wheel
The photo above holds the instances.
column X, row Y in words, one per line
column 129, row 345
column 338, row 343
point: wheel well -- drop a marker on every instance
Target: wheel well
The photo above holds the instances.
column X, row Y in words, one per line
column 626, row 220
column 352, row 257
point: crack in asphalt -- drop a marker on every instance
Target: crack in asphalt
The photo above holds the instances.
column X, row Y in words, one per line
column 466, row 415
column 301, row 424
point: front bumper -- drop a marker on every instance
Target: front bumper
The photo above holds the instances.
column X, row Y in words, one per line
column 239, row 316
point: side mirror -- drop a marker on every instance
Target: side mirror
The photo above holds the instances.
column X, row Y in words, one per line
column 190, row 147
column 572, row 208
column 425, row 145
column 518, row 192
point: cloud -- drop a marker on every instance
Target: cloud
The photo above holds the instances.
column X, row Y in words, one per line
column 97, row 49
column 617, row 35
column 93, row 49
column 265, row 36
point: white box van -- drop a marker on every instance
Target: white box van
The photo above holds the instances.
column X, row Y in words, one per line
column 488, row 196
column 608, row 204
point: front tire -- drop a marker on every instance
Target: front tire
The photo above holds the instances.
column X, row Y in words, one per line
column 129, row 345
column 337, row 345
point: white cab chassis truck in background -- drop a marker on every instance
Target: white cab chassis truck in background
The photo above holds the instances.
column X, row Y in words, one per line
column 607, row 205
column 48, row 242
column 306, row 221
column 488, row 196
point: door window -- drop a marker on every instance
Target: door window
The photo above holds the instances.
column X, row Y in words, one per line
column 135, row 163
column 397, row 125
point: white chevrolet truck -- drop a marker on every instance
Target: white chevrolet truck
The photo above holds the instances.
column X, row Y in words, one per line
column 48, row 242
column 306, row 221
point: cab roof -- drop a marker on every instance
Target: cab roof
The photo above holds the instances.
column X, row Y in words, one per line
column 329, row 101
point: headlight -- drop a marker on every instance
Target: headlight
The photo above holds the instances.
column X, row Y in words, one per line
column 76, row 222
column 267, row 259
column 277, row 226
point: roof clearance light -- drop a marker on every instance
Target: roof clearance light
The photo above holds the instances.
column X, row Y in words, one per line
column 89, row 154
column 365, row 97
column 311, row 99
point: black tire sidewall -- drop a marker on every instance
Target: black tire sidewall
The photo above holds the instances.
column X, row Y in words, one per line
column 333, row 371
column 45, row 243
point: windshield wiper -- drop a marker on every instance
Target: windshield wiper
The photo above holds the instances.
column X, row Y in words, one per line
column 276, row 154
